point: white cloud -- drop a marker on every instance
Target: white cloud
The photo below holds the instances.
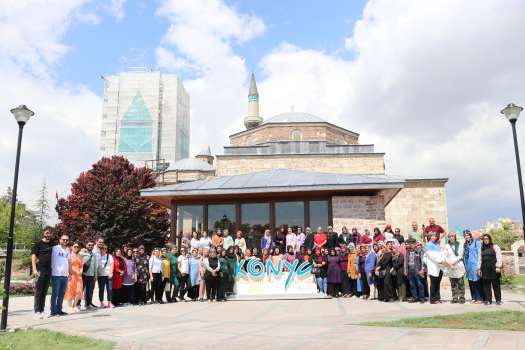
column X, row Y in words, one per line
column 426, row 86
column 61, row 139
column 202, row 33
column 116, row 8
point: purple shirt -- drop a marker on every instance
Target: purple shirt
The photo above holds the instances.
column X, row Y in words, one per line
column 130, row 272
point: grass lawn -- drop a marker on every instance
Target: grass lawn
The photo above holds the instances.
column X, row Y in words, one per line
column 495, row 320
column 518, row 280
column 43, row 339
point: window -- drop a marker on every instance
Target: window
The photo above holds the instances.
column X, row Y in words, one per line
column 290, row 214
column 297, row 135
column 221, row 216
column 255, row 219
column 189, row 218
column 318, row 215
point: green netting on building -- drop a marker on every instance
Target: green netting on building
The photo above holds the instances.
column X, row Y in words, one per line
column 136, row 128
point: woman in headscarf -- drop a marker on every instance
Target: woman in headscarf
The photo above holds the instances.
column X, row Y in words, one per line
column 301, row 237
column 119, row 270
column 434, row 259
column 289, row 256
column 267, row 241
column 397, row 271
column 291, row 239
column 334, row 273
column 454, row 268
column 345, row 237
column 384, row 280
column 204, row 253
column 212, row 274
column 489, row 268
column 230, row 256
column 471, row 257
column 130, row 277
column 194, row 274
column 345, row 279
column 352, row 272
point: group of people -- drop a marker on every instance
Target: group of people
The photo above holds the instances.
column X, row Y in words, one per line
column 382, row 265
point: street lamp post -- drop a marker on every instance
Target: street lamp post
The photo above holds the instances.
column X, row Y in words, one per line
column 512, row 112
column 22, row 115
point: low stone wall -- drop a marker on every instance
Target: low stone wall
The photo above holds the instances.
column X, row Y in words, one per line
column 418, row 201
column 358, row 211
column 369, row 163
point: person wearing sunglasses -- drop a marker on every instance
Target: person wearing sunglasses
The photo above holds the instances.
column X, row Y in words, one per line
column 59, row 275
column 74, row 286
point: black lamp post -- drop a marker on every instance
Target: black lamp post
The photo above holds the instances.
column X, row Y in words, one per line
column 22, row 115
column 512, row 112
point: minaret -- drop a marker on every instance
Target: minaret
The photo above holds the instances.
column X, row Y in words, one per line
column 253, row 119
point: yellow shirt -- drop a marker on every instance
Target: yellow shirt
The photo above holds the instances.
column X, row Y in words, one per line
column 165, row 268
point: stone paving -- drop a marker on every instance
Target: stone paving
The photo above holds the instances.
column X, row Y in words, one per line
column 275, row 324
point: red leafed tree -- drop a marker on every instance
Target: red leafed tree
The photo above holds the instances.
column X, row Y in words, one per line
column 105, row 201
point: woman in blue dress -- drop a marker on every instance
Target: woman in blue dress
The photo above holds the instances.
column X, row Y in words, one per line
column 471, row 256
column 195, row 262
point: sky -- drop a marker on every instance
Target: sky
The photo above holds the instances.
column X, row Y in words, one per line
column 422, row 80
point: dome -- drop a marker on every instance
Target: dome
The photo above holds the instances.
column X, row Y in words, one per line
column 190, row 164
column 294, row 117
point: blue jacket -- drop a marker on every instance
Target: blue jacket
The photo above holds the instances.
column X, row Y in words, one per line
column 471, row 256
column 263, row 243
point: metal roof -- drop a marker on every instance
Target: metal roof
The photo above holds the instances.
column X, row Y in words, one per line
column 276, row 180
column 295, row 117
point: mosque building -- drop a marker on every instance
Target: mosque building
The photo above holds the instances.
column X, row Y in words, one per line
column 293, row 169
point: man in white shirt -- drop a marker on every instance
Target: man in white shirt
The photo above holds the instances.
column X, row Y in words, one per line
column 59, row 275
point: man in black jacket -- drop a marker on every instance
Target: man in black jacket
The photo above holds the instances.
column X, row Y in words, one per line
column 309, row 240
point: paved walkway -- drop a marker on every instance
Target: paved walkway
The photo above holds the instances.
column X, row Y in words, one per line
column 277, row 324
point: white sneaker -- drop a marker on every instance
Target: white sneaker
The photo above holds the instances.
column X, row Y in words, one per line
column 83, row 308
column 41, row 315
column 38, row 315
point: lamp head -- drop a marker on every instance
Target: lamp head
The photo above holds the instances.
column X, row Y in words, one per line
column 22, row 113
column 511, row 112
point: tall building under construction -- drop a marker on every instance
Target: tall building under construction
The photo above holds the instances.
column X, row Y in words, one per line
column 145, row 117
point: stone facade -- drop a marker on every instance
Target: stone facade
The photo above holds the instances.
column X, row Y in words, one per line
column 358, row 211
column 283, row 132
column 418, row 201
column 370, row 163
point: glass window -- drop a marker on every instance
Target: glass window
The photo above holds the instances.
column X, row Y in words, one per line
column 189, row 218
column 318, row 215
column 255, row 219
column 290, row 214
column 221, row 216
column 297, row 135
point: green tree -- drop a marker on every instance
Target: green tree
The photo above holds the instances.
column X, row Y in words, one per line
column 26, row 225
column 42, row 207
column 502, row 233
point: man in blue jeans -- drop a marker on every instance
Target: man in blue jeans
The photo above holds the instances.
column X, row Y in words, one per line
column 59, row 275
column 89, row 274
column 415, row 271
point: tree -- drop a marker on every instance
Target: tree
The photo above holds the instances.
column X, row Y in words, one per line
column 42, row 207
column 26, row 225
column 502, row 233
column 105, row 201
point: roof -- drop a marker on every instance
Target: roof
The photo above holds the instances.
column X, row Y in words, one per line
column 205, row 152
column 276, row 180
column 253, row 87
column 190, row 164
column 295, row 117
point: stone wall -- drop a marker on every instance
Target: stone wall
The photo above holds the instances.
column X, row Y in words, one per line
column 283, row 132
column 370, row 163
column 418, row 201
column 358, row 211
